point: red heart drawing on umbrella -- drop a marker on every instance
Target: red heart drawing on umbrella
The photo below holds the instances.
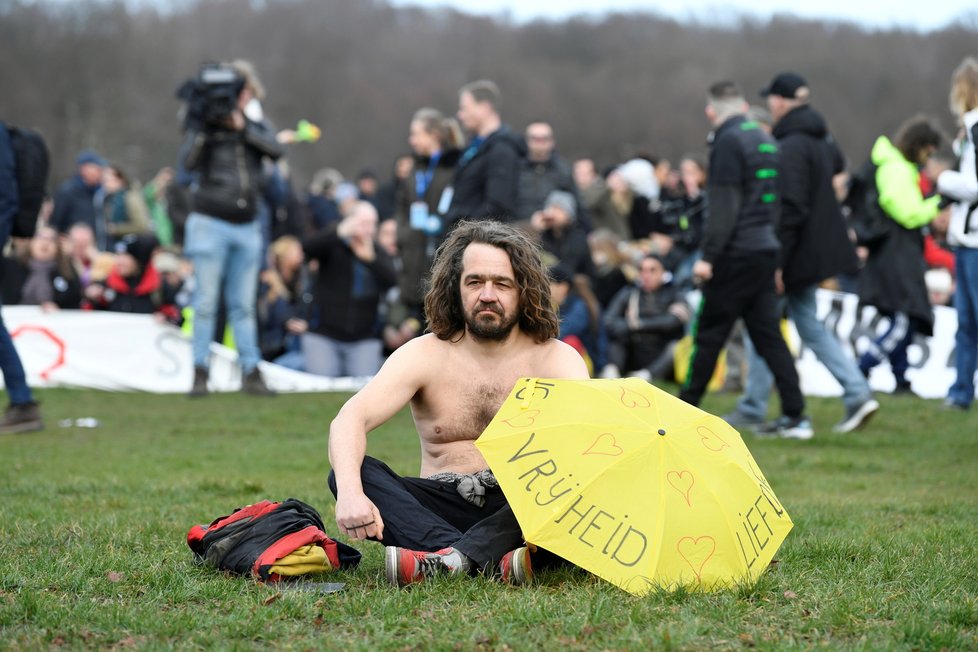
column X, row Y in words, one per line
column 605, row 444
column 524, row 420
column 696, row 552
column 681, row 481
column 710, row 440
column 632, row 399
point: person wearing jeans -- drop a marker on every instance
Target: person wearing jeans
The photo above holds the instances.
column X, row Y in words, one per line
column 222, row 250
column 23, row 414
column 815, row 246
column 856, row 394
column 223, row 233
column 962, row 233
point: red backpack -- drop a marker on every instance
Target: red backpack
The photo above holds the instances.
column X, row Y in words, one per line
column 252, row 539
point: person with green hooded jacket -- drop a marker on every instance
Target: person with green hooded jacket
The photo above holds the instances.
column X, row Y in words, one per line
column 893, row 279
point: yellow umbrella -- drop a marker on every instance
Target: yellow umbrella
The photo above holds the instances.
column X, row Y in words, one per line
column 634, row 485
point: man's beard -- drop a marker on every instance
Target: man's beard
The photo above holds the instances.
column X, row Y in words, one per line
column 483, row 327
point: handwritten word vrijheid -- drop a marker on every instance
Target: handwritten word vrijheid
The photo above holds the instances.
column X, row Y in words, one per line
column 586, row 521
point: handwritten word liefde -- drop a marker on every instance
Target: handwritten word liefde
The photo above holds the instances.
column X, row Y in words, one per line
column 755, row 526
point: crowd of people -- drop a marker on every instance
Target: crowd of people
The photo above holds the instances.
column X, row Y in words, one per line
column 332, row 280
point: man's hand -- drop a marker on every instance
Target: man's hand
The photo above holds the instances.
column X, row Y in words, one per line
column 778, row 281
column 296, row 326
column 660, row 244
column 702, row 271
column 237, row 120
column 359, row 518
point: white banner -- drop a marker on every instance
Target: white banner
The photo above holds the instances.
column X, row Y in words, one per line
column 122, row 352
column 931, row 359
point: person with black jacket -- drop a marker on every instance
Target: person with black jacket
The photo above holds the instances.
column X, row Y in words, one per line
column 223, row 236
column 740, row 257
column 542, row 171
column 354, row 272
column 644, row 322
column 815, row 246
column 23, row 413
column 486, row 177
column 434, row 139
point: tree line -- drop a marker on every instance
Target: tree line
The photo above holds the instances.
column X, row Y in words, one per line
column 103, row 74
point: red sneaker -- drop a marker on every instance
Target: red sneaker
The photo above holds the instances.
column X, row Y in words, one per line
column 405, row 566
column 515, row 568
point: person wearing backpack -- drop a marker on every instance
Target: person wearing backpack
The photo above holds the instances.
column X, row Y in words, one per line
column 23, row 414
column 893, row 279
column 962, row 234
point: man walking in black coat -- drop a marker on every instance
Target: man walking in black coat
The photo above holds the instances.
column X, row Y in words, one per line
column 740, row 256
column 814, row 246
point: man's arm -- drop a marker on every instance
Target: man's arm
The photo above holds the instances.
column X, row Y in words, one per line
column 796, row 176
column 566, row 362
column 263, row 139
column 390, row 390
column 725, row 201
column 191, row 148
column 8, row 182
column 502, row 174
column 726, row 197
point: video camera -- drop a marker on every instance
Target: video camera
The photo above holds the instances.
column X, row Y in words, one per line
column 211, row 96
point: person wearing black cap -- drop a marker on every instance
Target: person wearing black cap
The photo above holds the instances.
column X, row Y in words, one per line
column 740, row 256
column 74, row 200
column 815, row 246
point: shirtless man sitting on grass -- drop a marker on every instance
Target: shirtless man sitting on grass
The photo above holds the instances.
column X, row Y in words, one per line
column 491, row 323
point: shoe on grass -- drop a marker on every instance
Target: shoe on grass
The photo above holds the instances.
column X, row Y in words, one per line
column 903, row 388
column 254, row 383
column 857, row 417
column 951, row 404
column 738, row 419
column 21, row 417
column 515, row 567
column 788, row 428
column 405, row 566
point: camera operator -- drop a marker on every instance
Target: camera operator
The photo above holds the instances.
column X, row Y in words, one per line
column 224, row 149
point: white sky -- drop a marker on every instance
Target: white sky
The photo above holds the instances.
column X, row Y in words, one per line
column 916, row 14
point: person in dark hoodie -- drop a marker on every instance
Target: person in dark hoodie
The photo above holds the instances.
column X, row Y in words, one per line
column 815, row 246
column 487, row 175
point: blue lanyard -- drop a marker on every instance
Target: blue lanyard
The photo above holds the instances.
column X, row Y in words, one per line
column 423, row 180
column 472, row 150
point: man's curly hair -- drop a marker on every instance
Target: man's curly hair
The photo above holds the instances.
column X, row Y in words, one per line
column 443, row 299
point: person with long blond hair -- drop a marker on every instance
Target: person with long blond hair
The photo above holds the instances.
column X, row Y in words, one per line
column 962, row 233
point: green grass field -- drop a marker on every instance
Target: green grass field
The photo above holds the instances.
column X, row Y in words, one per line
column 93, row 552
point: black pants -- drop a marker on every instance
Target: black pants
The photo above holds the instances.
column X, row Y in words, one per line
column 742, row 287
column 422, row 514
